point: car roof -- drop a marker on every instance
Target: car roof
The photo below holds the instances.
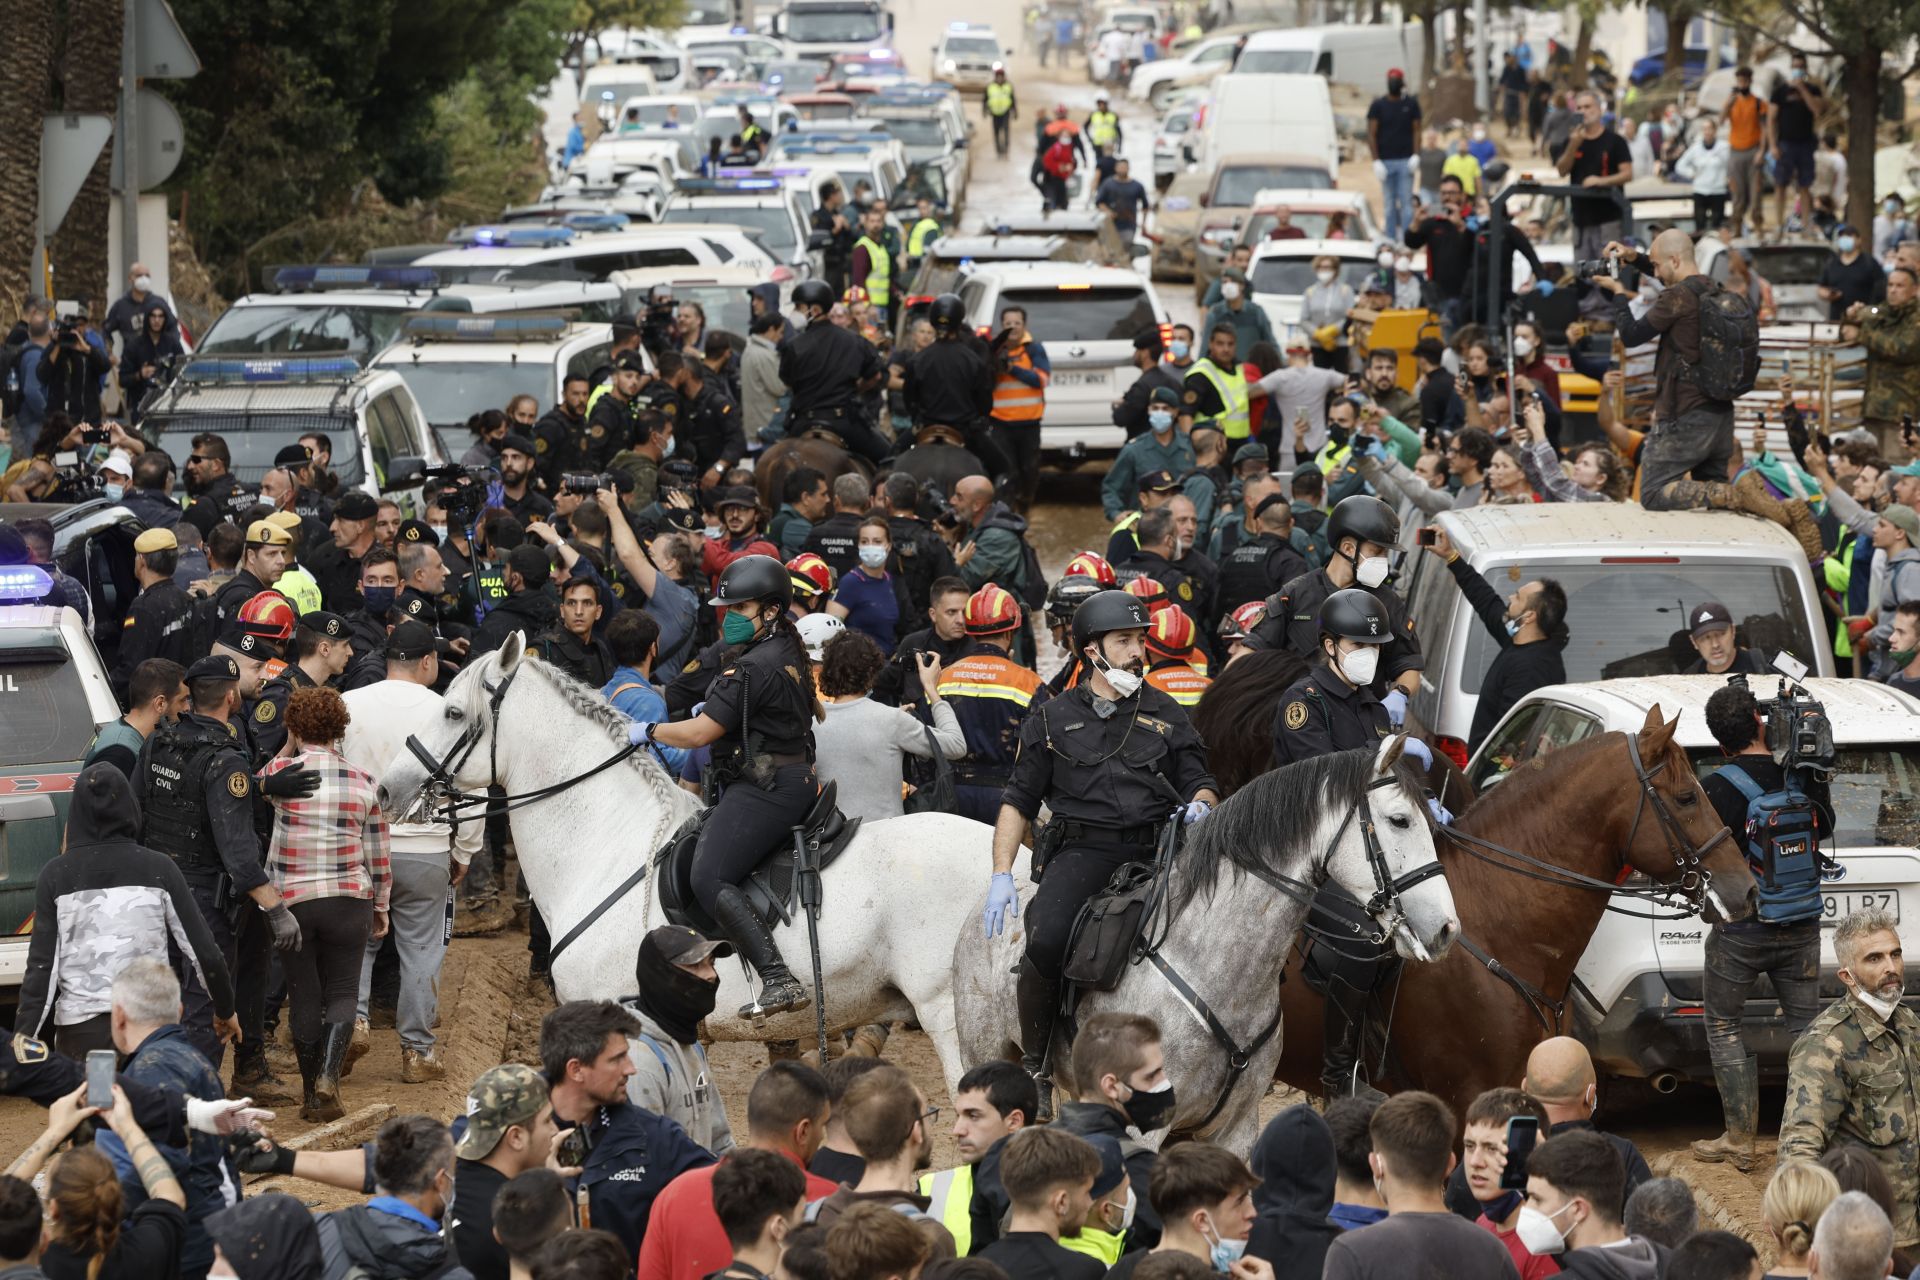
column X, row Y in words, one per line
column 989, row 248
column 1058, row 222
column 1293, row 158
column 1272, row 197
column 1861, row 710
column 411, row 349
column 1316, row 249
column 372, row 299
column 1590, row 529
column 1040, row 275
column 647, row 277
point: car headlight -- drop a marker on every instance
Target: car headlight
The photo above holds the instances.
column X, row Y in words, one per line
column 948, row 65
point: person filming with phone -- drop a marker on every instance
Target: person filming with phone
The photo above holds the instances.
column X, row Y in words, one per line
column 1530, row 628
column 1503, row 1126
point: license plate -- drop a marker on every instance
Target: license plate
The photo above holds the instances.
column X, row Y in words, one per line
column 1845, row 902
column 1083, row 378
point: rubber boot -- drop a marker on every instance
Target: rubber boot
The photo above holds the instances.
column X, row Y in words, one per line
column 335, row 1038
column 307, row 1054
column 779, row 989
column 1740, row 1103
column 253, row 1078
column 1038, row 998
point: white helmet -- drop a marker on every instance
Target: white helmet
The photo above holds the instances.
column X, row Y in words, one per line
column 815, row 630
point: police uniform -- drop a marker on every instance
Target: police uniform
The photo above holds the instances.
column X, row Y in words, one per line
column 196, row 803
column 559, row 446
column 267, row 715
column 1293, row 622
column 821, row 365
column 609, row 429
column 159, row 625
column 34, row 1070
column 632, row 1154
column 712, row 433
column 1320, row 713
column 1182, row 588
column 948, row 382
column 991, row 696
column 1256, row 568
column 238, row 589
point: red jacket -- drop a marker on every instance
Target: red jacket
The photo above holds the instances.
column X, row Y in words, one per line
column 684, row 1239
column 717, row 553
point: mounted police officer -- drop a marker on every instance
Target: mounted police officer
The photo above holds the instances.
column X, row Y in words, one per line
column 196, row 793
column 1362, row 532
column 828, row 369
column 950, row 382
column 756, row 720
column 1779, row 815
column 1112, row 758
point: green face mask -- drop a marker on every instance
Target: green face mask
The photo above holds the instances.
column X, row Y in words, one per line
column 737, row 628
column 1901, row 657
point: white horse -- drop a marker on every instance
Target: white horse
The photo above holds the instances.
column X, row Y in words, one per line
column 1238, row 896
column 894, row 901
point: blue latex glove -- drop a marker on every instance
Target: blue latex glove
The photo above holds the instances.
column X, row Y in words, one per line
column 1419, row 751
column 1396, row 704
column 1441, row 816
column 1196, row 810
column 1544, row 288
column 637, row 732
column 1002, row 898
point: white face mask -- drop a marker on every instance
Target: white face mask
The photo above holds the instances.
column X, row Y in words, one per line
column 1538, row 1232
column 143, row 283
column 1124, row 683
column 1880, row 1005
column 1230, row 290
column 1403, row 265
column 1360, row 665
column 1323, row 276
column 1523, row 347
column 1371, row 572
column 1385, row 259
column 873, row 557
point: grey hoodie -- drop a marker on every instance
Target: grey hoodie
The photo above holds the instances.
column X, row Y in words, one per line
column 1637, row 1259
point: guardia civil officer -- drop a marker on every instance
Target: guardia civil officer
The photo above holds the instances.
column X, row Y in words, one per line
column 828, row 369
column 1113, row 758
column 196, row 793
column 757, row 721
column 160, row 620
column 322, row 648
column 1362, row 531
column 950, row 381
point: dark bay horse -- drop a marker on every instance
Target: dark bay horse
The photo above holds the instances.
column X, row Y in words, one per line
column 1601, row 808
column 782, row 456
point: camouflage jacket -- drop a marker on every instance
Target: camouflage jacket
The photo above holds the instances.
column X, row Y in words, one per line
column 1892, row 339
column 1852, row 1078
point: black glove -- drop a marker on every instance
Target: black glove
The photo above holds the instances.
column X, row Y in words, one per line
column 286, row 930
column 290, row 783
column 254, row 1152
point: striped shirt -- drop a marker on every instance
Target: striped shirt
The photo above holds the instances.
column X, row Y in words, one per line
column 333, row 843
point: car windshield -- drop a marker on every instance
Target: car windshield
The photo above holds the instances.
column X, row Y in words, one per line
column 833, row 26
column 253, row 440
column 825, row 110
column 654, row 113
column 620, row 92
column 1182, row 122
column 451, row 391
column 705, row 13
column 855, row 68
column 1875, row 791
column 1292, row 277
column 1629, row 619
column 48, row 720
column 726, row 306
column 277, row 330
column 773, row 227
column 1313, row 222
column 972, row 47
column 1290, row 62
column 795, row 76
column 1083, row 315
column 916, row 132
column 1242, row 184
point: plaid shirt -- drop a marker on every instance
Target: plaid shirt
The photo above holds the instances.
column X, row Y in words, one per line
column 333, row 843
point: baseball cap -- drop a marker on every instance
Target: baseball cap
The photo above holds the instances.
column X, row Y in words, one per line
column 681, row 945
column 264, row 533
column 531, row 563
column 410, row 641
column 737, row 495
column 1158, row 482
column 631, row 361
column 293, row 455
column 156, row 540
column 518, row 443
column 1906, row 469
column 508, row 1095
column 1396, row 73
column 118, row 462
column 356, row 505
column 215, row 666
column 1902, row 517
column 1708, row 618
column 1113, row 1167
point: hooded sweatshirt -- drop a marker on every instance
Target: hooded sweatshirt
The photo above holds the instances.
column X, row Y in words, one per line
column 1294, row 1162
column 388, row 1239
column 1636, row 1259
column 268, row 1237
column 670, row 1075
column 105, row 902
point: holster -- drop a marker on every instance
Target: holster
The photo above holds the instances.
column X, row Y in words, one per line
column 225, row 900
column 1046, row 842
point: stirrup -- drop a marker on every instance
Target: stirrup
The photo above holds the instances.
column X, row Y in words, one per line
column 776, row 996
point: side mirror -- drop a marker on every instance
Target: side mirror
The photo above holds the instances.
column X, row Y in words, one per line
column 959, row 143
column 404, row 473
column 818, row 241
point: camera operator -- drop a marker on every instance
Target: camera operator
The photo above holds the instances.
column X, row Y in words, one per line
column 72, row 369
column 1683, row 465
column 1779, row 815
column 658, row 332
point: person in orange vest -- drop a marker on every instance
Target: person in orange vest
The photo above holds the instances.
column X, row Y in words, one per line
column 991, row 695
column 1020, row 399
column 1172, row 646
column 1093, row 565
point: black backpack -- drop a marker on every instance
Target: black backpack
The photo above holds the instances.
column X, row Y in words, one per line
column 1729, row 360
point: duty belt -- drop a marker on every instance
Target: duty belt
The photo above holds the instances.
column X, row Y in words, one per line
column 980, row 775
column 1075, row 832
column 782, row 759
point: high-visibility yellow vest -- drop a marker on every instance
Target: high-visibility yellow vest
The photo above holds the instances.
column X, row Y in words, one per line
column 1331, row 457
column 1103, row 127
column 1233, row 418
column 879, row 271
column 999, row 97
column 923, row 231
column 1125, row 523
column 1014, row 400
column 1095, row 1243
column 299, row 586
column 951, row 1191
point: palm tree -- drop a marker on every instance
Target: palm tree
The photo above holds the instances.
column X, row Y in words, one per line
column 90, row 75
column 26, row 44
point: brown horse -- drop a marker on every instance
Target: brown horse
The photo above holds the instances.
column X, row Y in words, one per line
column 1595, row 809
column 816, row 451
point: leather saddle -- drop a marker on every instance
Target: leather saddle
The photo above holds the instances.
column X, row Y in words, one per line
column 773, row 885
column 939, row 433
column 826, row 435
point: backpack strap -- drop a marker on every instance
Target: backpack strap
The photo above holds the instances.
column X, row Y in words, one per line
column 631, row 684
column 659, row 1052
column 1741, row 781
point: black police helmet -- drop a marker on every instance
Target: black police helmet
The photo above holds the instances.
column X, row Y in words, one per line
column 1363, row 517
column 947, row 312
column 1068, row 593
column 813, row 293
column 760, row 578
column 1105, row 612
column 1354, row 614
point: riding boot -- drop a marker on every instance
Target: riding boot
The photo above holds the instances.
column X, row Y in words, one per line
column 1038, row 998
column 1740, row 1103
column 779, row 989
column 1340, row 1048
column 335, row 1037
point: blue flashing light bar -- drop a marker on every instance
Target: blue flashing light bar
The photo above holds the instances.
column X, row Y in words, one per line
column 529, row 326
column 726, row 186
column 23, row 582
column 509, row 237
column 595, row 221
column 245, row 369
column 323, row 277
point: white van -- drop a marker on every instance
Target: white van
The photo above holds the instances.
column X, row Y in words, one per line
column 1294, row 109
column 1357, row 56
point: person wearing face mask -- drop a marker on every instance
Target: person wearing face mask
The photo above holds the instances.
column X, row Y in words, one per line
column 1180, row 350
column 1530, row 361
column 1393, row 123
column 677, row 980
column 1164, row 447
column 869, row 598
column 1560, row 1077
column 398, row 1235
column 1792, row 137
column 1333, row 706
column 1052, row 1180
column 1529, row 628
column 1121, row 1070
column 1204, row 1196
column 768, row 777
column 1850, row 274
column 1575, row 1185
column 1325, row 304
column 1107, row 807
column 129, row 310
column 1133, row 413
column 1238, row 311
column 1851, row 1077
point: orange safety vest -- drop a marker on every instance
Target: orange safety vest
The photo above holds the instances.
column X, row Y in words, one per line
column 983, row 675
column 1180, row 682
column 1014, row 400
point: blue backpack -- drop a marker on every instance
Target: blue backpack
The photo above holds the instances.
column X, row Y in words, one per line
column 1782, row 841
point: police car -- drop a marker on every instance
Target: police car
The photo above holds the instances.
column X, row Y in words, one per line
column 1638, row 990
column 498, row 254
column 259, row 405
column 459, row 365
column 314, row 310
column 53, row 696
column 967, row 54
column 1086, row 317
column 771, row 209
column 855, row 152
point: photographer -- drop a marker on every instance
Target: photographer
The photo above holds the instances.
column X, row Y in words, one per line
column 1683, row 465
column 658, row 332
column 1779, row 814
column 72, row 369
column 145, row 354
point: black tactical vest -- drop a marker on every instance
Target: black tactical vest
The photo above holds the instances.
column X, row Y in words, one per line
column 174, row 800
